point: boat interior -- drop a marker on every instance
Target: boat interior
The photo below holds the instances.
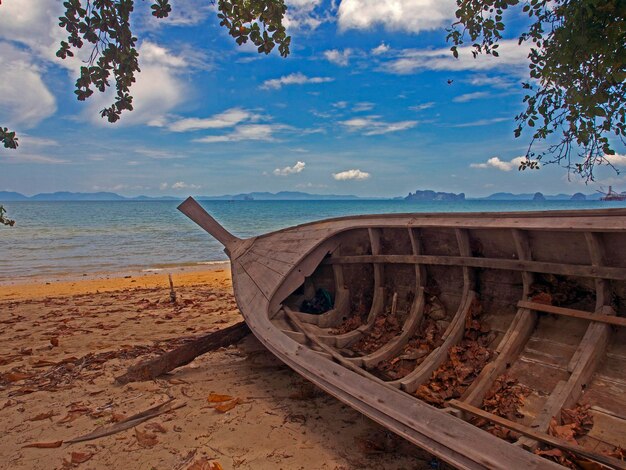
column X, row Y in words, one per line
column 525, row 325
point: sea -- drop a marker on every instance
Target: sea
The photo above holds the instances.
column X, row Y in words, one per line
column 55, row 239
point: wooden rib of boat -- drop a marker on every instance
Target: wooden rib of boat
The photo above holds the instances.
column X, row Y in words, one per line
column 471, row 335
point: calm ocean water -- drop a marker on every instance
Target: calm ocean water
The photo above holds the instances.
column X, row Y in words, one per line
column 55, row 238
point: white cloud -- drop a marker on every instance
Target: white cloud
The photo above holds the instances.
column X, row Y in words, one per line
column 616, row 160
column 351, row 175
column 340, row 104
column 293, row 79
column 338, row 57
column 157, row 154
column 33, row 23
column 183, row 185
column 228, row 118
column 302, row 14
column 360, row 107
column 27, row 140
column 512, row 58
column 290, row 170
column 25, row 99
column 381, row 49
column 492, row 81
column 477, row 95
column 311, row 186
column 495, row 162
column 159, row 88
column 184, row 13
column 263, row 132
column 422, row 106
column 399, row 15
column 19, row 156
column 163, row 186
column 372, row 125
column 483, row 122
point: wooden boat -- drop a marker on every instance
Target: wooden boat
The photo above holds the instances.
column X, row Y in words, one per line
column 471, row 335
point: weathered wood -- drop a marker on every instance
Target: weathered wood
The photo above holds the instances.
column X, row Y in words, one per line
column 586, row 357
column 452, row 336
column 604, row 272
column 545, row 438
column 306, row 246
column 515, row 338
column 130, row 422
column 570, row 312
column 396, row 344
column 196, row 212
column 152, row 368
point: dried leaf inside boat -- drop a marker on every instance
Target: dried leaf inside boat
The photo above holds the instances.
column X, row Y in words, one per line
column 464, row 363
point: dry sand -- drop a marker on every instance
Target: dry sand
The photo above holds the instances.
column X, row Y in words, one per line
column 63, row 343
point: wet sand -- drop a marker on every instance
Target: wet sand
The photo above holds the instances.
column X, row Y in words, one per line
column 63, row 343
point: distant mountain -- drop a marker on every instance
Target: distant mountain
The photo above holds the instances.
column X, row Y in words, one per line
column 12, row 196
column 280, row 196
column 419, row 195
column 531, row 196
column 6, row 196
column 67, row 196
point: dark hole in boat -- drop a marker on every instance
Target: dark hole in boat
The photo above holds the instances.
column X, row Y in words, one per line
column 322, row 302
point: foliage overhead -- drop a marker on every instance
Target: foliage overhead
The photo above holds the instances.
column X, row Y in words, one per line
column 576, row 98
column 576, row 95
column 8, row 138
column 4, row 220
column 105, row 26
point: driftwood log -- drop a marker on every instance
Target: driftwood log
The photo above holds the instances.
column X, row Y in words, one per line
column 183, row 355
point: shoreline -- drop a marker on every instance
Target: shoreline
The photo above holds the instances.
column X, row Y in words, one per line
column 62, row 344
column 73, row 284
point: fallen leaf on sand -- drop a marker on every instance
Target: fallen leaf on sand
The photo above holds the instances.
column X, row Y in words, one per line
column 205, row 464
column 42, row 416
column 117, row 417
column 44, row 445
column 216, row 398
column 156, row 427
column 15, row 376
column 227, row 406
column 146, row 439
column 80, row 457
column 43, row 363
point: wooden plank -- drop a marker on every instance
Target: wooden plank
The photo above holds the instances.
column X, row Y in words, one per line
column 570, row 312
column 324, row 347
column 586, row 357
column 416, row 247
column 511, row 345
column 539, row 436
column 396, row 344
column 604, row 272
column 524, row 253
column 196, row 212
column 452, row 335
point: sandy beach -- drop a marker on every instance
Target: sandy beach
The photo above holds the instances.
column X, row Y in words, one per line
column 62, row 343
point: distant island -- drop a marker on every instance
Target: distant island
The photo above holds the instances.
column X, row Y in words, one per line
column 428, row 195
column 418, row 195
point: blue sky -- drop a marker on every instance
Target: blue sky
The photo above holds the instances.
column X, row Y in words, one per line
column 361, row 106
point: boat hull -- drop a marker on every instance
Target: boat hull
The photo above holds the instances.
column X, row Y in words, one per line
column 403, row 269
